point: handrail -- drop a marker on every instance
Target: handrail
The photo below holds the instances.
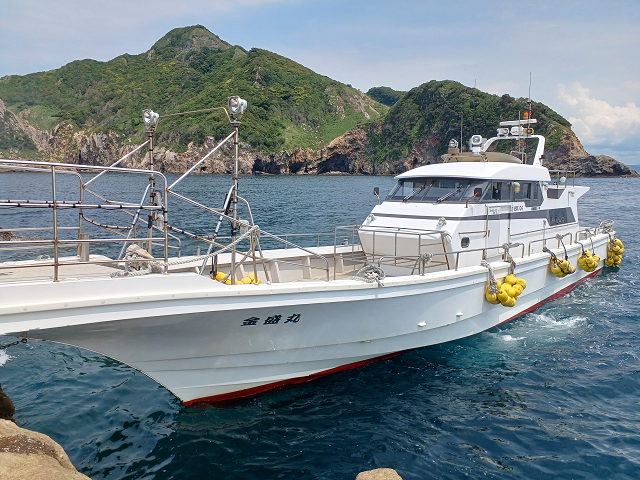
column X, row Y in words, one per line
column 552, row 238
column 34, row 229
column 457, row 253
column 55, row 204
column 262, row 232
column 417, row 257
column 317, row 235
column 543, row 229
column 76, row 262
column 83, row 167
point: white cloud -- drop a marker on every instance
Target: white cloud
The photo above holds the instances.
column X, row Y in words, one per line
column 597, row 122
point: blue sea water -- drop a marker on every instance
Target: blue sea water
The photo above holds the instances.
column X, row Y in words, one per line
column 553, row 394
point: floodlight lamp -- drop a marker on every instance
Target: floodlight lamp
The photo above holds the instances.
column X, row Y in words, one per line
column 150, row 119
column 476, row 140
column 237, row 106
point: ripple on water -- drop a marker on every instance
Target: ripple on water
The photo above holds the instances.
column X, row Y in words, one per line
column 4, row 357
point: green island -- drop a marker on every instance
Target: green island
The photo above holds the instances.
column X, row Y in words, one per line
column 89, row 111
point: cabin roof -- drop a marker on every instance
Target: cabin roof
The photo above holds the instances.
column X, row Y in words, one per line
column 480, row 170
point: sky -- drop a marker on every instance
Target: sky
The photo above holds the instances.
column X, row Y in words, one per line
column 583, row 56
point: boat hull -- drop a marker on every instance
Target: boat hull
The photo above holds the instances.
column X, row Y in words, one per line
column 206, row 342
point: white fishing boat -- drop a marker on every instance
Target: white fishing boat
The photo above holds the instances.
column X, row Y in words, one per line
column 236, row 319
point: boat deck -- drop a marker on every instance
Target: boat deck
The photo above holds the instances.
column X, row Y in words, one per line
column 69, row 268
column 284, row 266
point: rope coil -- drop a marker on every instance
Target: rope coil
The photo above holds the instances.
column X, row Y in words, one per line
column 606, row 226
column 492, row 279
column 370, row 274
column 508, row 258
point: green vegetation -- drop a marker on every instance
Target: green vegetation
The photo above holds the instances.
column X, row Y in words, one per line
column 431, row 114
column 385, row 95
column 189, row 69
column 289, row 105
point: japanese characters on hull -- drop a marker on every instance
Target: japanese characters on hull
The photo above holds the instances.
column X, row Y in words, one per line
column 271, row 320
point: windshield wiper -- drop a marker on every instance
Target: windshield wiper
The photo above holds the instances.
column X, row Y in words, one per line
column 447, row 195
column 416, row 191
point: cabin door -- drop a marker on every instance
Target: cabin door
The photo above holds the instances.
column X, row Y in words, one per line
column 497, row 229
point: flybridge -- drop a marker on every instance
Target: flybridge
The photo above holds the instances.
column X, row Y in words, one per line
column 512, row 130
column 518, row 130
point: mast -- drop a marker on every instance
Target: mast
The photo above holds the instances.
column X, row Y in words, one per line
column 150, row 119
column 236, row 109
column 234, row 200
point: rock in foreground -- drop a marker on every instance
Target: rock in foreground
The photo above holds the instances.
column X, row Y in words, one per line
column 27, row 455
column 379, row 474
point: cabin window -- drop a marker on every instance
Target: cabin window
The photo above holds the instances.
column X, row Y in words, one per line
column 524, row 193
column 500, row 191
column 496, row 191
column 535, row 198
column 449, row 189
column 433, row 189
column 405, row 188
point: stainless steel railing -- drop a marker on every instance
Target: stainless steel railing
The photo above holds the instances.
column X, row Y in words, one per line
column 80, row 205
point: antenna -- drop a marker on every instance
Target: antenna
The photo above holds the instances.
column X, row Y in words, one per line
column 461, row 132
column 570, row 145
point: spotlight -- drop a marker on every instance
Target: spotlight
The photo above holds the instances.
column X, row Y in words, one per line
column 150, row 119
column 237, row 106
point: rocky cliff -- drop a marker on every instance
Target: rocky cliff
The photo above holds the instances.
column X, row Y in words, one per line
column 350, row 153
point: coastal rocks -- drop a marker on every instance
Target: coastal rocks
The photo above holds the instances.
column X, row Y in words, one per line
column 379, row 474
column 349, row 154
column 570, row 155
column 345, row 154
column 12, row 135
column 594, row 166
column 218, row 163
column 27, row 455
column 6, row 407
column 96, row 149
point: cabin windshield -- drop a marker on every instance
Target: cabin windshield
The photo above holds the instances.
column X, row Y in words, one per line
column 454, row 190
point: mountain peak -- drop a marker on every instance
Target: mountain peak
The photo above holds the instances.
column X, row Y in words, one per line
column 183, row 40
